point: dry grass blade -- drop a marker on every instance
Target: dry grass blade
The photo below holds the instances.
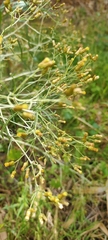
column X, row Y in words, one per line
column 89, row 190
column 3, row 234
column 97, row 225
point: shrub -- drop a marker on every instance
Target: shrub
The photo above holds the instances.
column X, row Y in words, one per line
column 44, row 74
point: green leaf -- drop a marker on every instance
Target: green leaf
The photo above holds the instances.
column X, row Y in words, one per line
column 14, row 154
column 104, row 168
column 67, row 114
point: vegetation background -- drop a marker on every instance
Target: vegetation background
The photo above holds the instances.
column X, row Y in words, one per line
column 53, row 136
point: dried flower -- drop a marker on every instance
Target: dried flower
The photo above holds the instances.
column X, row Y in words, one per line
column 28, row 213
column 24, row 166
column 27, row 173
column 79, row 91
column 97, row 136
column 92, row 148
column 81, row 50
column 42, row 218
column 94, row 58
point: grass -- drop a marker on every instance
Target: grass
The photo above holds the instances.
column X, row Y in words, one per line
column 95, row 35
column 53, row 173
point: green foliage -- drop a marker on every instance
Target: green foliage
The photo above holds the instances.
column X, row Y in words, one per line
column 14, row 154
column 97, row 39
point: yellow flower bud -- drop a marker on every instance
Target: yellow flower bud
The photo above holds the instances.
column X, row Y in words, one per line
column 85, row 158
column 62, row 195
column 20, row 107
column 70, row 90
column 89, row 80
column 56, row 80
column 24, row 166
column 89, row 143
column 7, row 164
column 78, row 168
column 82, row 50
column 46, row 63
column 28, row 213
column 95, row 77
column 62, row 139
column 13, row 174
column 37, row 15
column 94, row 58
column 1, row 39
column 85, row 137
column 97, row 136
column 27, row 173
column 38, row 132
column 48, row 194
column 97, row 141
column 28, row 115
column 21, row 134
column 92, row 148
column 80, row 64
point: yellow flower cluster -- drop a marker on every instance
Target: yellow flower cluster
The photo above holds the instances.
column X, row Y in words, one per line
column 90, row 146
column 58, row 200
column 25, row 112
column 77, row 168
column 31, row 212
